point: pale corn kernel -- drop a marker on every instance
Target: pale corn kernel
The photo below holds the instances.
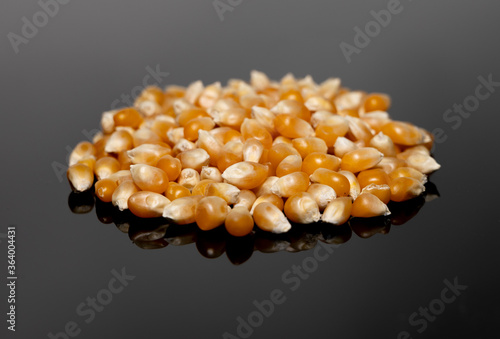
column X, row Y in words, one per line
column 358, row 130
column 211, row 212
column 269, row 218
column 316, row 160
column 246, row 198
column 291, row 164
column 210, row 95
column 106, row 166
column 180, row 105
column 322, row 194
column 193, row 91
column 175, row 191
column 405, row 188
column 291, row 184
column 389, row 164
column 383, row 192
column 223, row 104
column 318, row 103
column 232, row 117
column 201, row 187
column 270, row 198
column 228, row 192
column 248, row 101
column 338, row 211
column 104, row 189
column 210, row 144
column 302, row 208
column 343, row 146
column 282, row 140
column 225, row 134
column 170, row 165
column 259, row 80
column 361, row 159
column 403, row 133
column 320, row 117
column 293, row 108
column 246, row 175
column 423, row 163
column 376, row 119
column 195, row 159
column 212, row 173
column 82, row 150
column 292, row 127
column 309, row 145
column 355, row 188
column 333, row 179
column 183, row 145
column 80, row 177
column 265, row 187
column 119, row 141
column 264, row 117
column 146, row 204
column 329, row 88
column 235, row 147
column 252, row 150
column 239, row 222
column 368, row 205
column 107, row 121
column 384, row 144
column 88, row 161
column 288, row 79
column 250, row 128
column 182, row 211
column 122, row 193
column 149, row 178
column 174, row 135
column 145, row 136
column 148, row 154
column 148, row 108
column 121, row 176
column 349, row 100
column 409, row 173
column 375, row 176
column 189, row 178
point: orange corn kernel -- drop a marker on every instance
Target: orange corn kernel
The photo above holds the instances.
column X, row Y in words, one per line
column 279, row 152
column 383, row 192
column 182, row 211
column 306, row 146
column 122, row 193
column 292, row 163
column 227, row 159
column 405, row 188
column 148, row 154
column 149, row 178
column 338, row 211
column 375, row 176
column 355, row 189
column 201, row 187
column 128, row 117
column 192, row 127
column 80, row 177
column 146, row 204
column 361, row 159
column 302, row 208
column 291, row 184
column 82, row 150
column 269, row 218
column 239, row 222
column 292, row 127
column 270, row 198
column 211, row 212
column 333, row 179
column 175, row 191
column 292, row 95
column 245, row 175
column 170, row 165
column 403, row 133
column 376, row 102
column 104, row 189
column 106, row 166
column 246, row 198
column 223, row 190
column 368, row 205
column 316, row 160
column 190, row 114
column 250, row 128
column 293, row 108
column 409, row 173
column 88, row 161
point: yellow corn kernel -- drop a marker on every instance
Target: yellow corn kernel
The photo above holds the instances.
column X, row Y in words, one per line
column 292, row 127
column 149, row 178
column 383, row 192
column 239, row 222
column 265, row 187
column 88, row 161
column 148, row 154
column 124, row 160
column 316, row 160
column 195, row 159
column 211, row 212
column 182, row 211
column 80, row 177
column 211, row 173
column 250, row 128
column 376, row 102
column 279, row 152
column 361, row 159
column 333, row 179
column 161, row 126
column 189, row 178
column 293, row 108
column 368, row 205
column 291, row 164
column 322, row 194
column 309, row 145
column 338, row 211
column 175, row 191
column 355, row 188
column 145, row 136
column 104, row 189
column 409, row 173
column 245, row 175
column 327, row 133
column 223, row 190
column 170, row 165
column 291, row 184
column 246, row 198
column 403, row 133
column 190, row 114
column 384, row 144
column 146, row 204
column 128, row 117
column 292, row 95
column 375, row 176
column 122, row 193
column 201, row 187
column 82, row 150
column 343, row 146
column 302, row 208
column 252, row 150
column 106, row 166
column 269, row 218
column 227, row 159
column 405, row 188
column 270, row 198
column 282, row 140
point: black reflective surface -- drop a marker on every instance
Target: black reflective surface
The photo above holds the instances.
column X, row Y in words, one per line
column 431, row 57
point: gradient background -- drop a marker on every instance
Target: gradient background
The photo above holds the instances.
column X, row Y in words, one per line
column 92, row 52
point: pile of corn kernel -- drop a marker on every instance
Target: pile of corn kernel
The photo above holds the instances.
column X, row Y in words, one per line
column 262, row 153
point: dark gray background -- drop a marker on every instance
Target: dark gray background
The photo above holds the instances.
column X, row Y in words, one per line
column 91, row 52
